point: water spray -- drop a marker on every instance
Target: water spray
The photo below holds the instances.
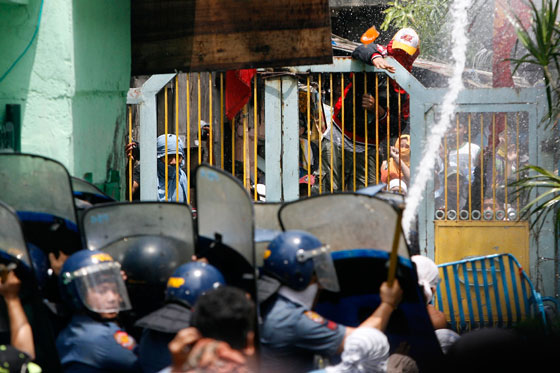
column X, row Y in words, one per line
column 426, row 165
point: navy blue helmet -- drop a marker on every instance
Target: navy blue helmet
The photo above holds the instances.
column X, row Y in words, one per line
column 92, row 280
column 191, row 280
column 294, row 256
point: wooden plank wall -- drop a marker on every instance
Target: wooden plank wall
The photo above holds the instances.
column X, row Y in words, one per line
column 210, row 35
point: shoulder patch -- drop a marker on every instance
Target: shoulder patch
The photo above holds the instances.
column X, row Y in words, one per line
column 125, row 340
column 314, row 316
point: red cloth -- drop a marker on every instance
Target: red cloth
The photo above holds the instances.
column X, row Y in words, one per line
column 238, row 90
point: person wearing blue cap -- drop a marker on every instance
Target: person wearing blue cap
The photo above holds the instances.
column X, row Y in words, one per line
column 175, row 159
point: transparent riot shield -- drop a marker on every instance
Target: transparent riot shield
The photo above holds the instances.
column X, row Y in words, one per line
column 360, row 231
column 345, row 221
column 149, row 239
column 86, row 191
column 15, row 256
column 225, row 226
column 40, row 190
column 267, row 227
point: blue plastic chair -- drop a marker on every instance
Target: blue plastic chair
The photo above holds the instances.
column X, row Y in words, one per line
column 487, row 291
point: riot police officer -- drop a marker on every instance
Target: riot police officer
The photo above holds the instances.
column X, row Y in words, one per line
column 188, row 282
column 92, row 284
column 296, row 265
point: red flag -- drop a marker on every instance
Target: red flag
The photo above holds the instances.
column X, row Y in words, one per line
column 503, row 41
column 238, row 90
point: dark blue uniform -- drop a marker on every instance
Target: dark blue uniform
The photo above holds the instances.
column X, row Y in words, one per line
column 87, row 345
column 153, row 352
column 291, row 335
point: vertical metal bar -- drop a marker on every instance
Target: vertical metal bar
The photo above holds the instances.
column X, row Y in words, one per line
column 199, row 120
column 222, row 120
column 477, row 293
column 245, row 129
column 515, row 289
column 445, row 174
column 399, row 139
column 366, row 135
column 342, row 88
column 494, row 165
column 487, row 292
column 166, row 132
column 459, row 297
column 188, row 142
column 507, row 165
column 210, row 125
column 496, row 293
column 439, row 300
column 450, row 297
column 354, row 131
column 376, row 128
column 331, row 133
column 177, row 163
column 290, row 138
column 517, row 151
column 388, row 116
column 273, row 144
column 506, row 290
column 130, row 162
column 470, row 165
column 233, row 146
column 320, row 137
column 308, row 138
column 468, row 292
column 481, row 163
column 458, row 162
column 255, row 138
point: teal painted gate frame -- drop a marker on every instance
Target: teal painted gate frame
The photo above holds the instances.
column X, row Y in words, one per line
column 281, row 153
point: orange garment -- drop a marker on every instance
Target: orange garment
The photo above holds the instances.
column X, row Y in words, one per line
column 392, row 169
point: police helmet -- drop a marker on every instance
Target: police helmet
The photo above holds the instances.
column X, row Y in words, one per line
column 191, row 280
column 294, row 256
column 92, row 280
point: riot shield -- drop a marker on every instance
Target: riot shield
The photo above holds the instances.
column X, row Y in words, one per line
column 149, row 239
column 86, row 191
column 360, row 231
column 345, row 221
column 225, row 226
column 14, row 255
column 39, row 189
column 267, row 226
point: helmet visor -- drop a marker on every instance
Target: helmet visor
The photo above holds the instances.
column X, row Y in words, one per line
column 101, row 288
column 323, row 266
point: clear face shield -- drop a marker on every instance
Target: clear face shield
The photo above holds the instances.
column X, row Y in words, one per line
column 101, row 288
column 323, row 266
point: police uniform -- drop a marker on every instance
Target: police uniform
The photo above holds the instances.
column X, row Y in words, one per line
column 291, row 335
column 88, row 345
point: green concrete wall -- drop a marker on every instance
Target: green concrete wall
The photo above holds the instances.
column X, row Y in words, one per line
column 72, row 82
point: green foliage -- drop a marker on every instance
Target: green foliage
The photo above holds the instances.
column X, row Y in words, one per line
column 546, row 202
column 543, row 50
column 427, row 17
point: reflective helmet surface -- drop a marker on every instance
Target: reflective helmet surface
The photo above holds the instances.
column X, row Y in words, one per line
column 92, row 280
column 191, row 280
column 292, row 256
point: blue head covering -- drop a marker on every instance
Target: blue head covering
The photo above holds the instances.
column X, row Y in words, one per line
column 171, row 146
column 171, row 183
